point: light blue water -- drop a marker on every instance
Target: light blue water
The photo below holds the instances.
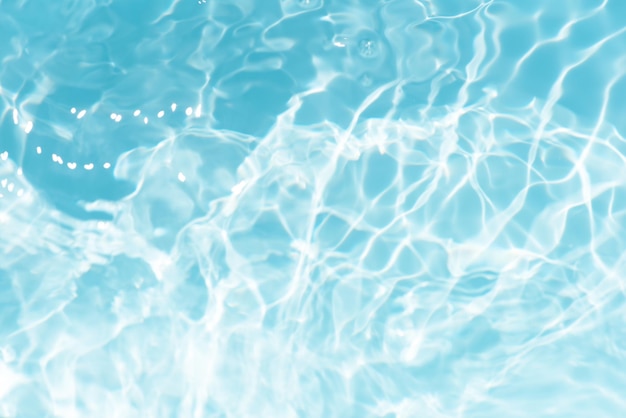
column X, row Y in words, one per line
column 312, row 208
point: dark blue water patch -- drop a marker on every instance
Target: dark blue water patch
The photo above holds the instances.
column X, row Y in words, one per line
column 335, row 104
column 324, row 106
column 227, row 14
column 66, row 95
column 9, row 31
column 414, row 97
column 10, row 141
column 412, row 173
column 615, row 111
column 253, row 110
column 380, row 174
column 584, row 88
column 94, row 141
column 140, row 13
column 68, row 189
column 448, row 90
column 311, row 35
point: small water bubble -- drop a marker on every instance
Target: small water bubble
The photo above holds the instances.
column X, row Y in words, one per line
column 308, row 4
column 366, row 80
column 368, row 48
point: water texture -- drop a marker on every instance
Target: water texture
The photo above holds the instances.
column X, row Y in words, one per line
column 312, row 208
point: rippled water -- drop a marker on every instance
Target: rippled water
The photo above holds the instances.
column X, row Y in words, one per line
column 312, row 208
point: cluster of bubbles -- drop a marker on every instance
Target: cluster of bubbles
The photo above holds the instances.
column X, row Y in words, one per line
column 8, row 187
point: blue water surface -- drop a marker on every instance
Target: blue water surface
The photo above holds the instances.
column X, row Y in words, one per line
column 312, row 208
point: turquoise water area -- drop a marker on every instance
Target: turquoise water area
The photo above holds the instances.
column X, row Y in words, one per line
column 312, row 208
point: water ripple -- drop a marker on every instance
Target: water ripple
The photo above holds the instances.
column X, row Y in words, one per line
column 312, row 208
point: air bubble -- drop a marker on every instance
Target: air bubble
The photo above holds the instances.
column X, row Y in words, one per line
column 368, row 48
column 308, row 4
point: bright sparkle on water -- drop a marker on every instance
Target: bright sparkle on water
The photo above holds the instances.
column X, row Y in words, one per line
column 312, row 209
